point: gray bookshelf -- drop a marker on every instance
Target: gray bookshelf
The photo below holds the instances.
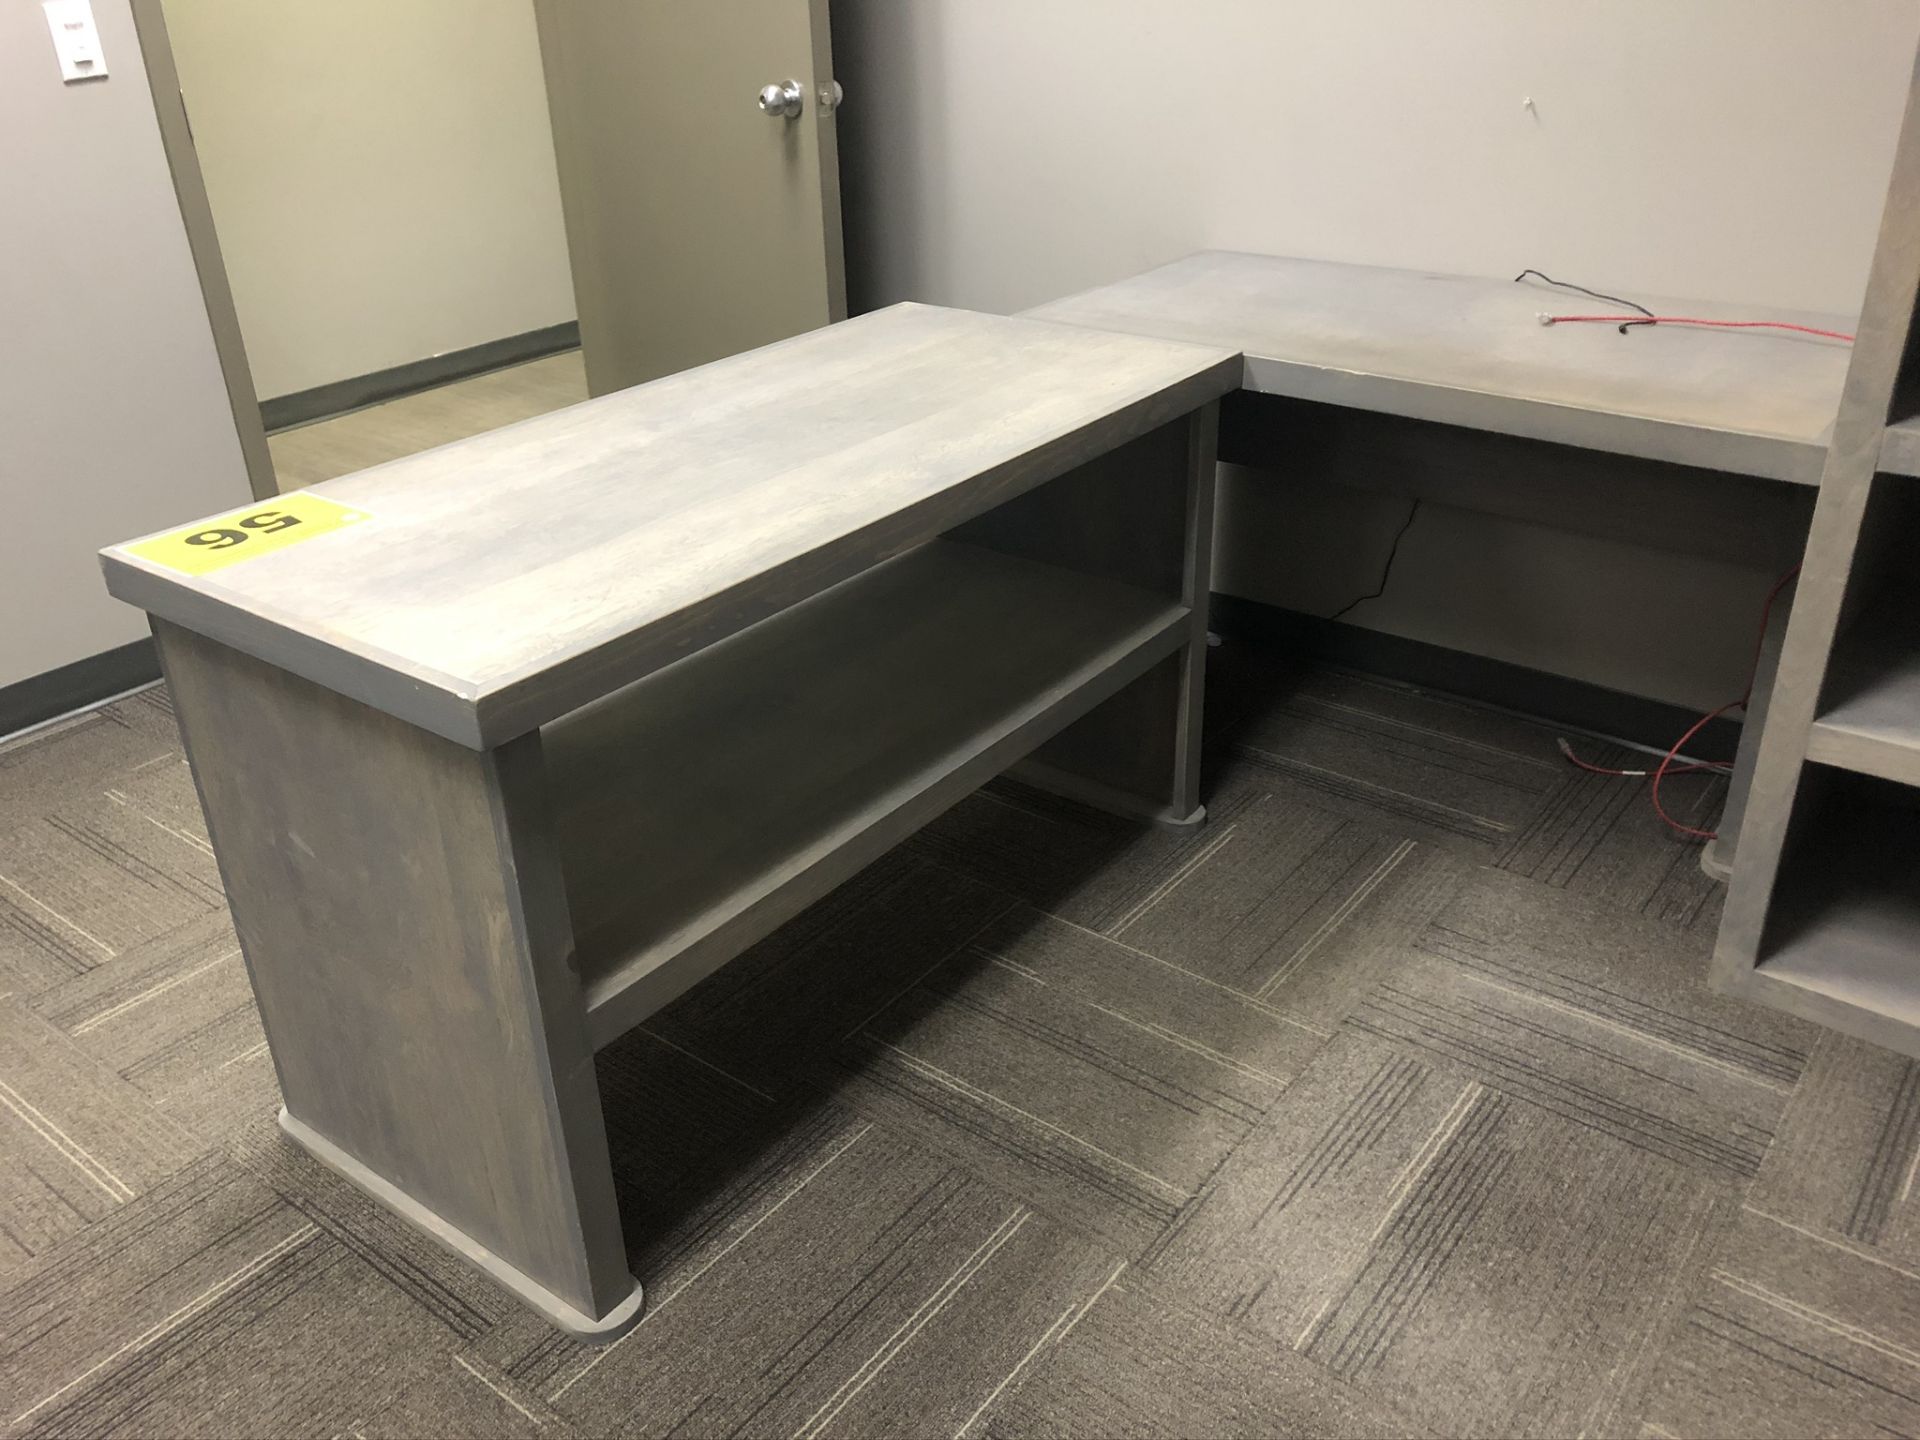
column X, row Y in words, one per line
column 1823, row 917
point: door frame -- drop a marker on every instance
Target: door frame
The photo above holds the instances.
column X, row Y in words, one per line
column 190, row 189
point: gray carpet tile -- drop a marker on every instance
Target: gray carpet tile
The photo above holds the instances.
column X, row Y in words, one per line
column 770, row 1014
column 175, row 1017
column 1618, row 969
column 207, row 1306
column 163, row 795
column 880, row 1291
column 1792, row 1334
column 1599, row 835
column 88, row 881
column 1096, row 1081
column 147, row 711
column 1135, row 1363
column 74, row 758
column 1293, row 904
column 737, row 1182
column 437, row 1283
column 672, row 1117
column 1255, row 689
column 1553, row 1256
column 1845, row 1158
column 1062, row 857
column 76, row 1141
column 1490, row 785
column 1093, row 1079
column 1490, row 1266
column 1390, row 1100
column 461, row 1398
column 1428, row 767
column 1581, row 1011
column 185, row 977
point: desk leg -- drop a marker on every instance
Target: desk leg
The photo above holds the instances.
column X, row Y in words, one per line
column 1143, row 515
column 1716, row 856
column 402, row 915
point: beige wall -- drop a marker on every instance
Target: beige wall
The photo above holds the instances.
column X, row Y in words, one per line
column 381, row 176
column 999, row 152
column 114, row 419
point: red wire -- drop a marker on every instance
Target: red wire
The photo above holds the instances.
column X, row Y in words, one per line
column 1666, row 766
column 1578, row 763
column 1766, row 618
column 1661, row 773
column 1695, row 320
column 1753, row 678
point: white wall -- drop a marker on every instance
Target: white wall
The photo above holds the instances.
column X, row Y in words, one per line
column 1013, row 150
column 381, row 176
column 114, row 418
column 996, row 153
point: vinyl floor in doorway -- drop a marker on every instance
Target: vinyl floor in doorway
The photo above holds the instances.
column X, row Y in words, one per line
column 1391, row 1102
column 342, row 444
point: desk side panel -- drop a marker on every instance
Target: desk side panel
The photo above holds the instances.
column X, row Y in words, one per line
column 407, row 937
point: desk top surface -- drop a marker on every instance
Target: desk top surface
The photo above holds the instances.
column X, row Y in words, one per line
column 1472, row 352
column 502, row 580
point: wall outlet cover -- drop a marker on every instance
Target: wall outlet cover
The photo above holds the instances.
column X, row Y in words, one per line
column 76, row 40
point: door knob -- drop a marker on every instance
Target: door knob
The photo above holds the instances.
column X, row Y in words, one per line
column 782, row 101
column 830, row 97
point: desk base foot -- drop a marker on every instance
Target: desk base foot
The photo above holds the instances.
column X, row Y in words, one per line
column 1168, row 821
column 528, row 1291
column 1103, row 797
column 1716, row 861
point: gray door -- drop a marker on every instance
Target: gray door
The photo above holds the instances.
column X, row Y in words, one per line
column 700, row 220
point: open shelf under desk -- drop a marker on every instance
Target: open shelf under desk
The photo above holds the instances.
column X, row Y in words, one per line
column 703, row 806
column 1846, row 932
column 1871, row 722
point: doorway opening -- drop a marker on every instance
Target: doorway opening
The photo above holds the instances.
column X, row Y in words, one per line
column 418, row 223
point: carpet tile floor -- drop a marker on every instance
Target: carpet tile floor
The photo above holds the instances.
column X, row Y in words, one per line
column 1389, row 1102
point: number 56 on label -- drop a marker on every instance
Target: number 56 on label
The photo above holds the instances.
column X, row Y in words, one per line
column 244, row 534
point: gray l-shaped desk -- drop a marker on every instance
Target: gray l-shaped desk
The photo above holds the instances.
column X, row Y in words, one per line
column 504, row 745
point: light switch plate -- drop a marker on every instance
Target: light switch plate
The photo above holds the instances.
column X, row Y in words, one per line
column 75, row 40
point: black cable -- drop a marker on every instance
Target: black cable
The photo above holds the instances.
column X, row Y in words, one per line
column 1596, row 294
column 1386, row 570
column 1569, row 285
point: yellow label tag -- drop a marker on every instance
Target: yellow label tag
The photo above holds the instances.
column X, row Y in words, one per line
column 223, row 540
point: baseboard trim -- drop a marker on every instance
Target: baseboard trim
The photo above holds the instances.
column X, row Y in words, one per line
column 303, row 407
column 40, row 698
column 1577, row 704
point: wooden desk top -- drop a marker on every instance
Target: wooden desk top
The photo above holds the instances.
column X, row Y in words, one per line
column 504, row 580
column 1471, row 352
